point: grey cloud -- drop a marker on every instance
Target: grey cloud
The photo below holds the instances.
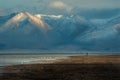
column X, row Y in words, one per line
column 79, row 3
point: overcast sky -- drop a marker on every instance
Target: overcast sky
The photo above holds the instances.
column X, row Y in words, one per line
column 63, row 3
column 54, row 6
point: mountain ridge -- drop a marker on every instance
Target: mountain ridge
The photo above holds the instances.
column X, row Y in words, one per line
column 58, row 32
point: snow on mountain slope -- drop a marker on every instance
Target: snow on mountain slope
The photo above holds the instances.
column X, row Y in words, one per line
column 117, row 27
column 108, row 28
column 38, row 22
column 104, row 38
column 62, row 31
column 69, row 26
column 15, row 21
column 3, row 19
column 51, row 16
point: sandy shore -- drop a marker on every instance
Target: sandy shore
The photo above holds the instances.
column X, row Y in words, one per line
column 84, row 60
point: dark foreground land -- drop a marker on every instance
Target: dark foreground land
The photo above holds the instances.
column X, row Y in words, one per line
column 73, row 68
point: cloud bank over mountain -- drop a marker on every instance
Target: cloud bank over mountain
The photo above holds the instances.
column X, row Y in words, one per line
column 80, row 3
column 58, row 6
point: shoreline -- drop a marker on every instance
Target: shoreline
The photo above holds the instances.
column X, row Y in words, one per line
column 50, row 59
column 72, row 68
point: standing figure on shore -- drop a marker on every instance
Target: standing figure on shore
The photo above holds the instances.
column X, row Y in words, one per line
column 87, row 54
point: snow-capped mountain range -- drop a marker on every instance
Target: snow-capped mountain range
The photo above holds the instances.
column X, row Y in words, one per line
column 33, row 19
column 58, row 32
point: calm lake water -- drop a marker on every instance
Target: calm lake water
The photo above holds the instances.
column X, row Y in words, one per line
column 26, row 59
column 16, row 59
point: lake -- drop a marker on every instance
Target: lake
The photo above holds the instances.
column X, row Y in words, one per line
column 9, row 59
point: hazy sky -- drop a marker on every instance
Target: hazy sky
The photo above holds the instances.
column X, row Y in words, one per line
column 55, row 6
column 63, row 3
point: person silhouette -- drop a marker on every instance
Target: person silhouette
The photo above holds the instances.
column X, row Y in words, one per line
column 87, row 53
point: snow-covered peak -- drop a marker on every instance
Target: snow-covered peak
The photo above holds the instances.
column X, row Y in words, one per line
column 13, row 22
column 19, row 17
column 38, row 22
column 38, row 15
